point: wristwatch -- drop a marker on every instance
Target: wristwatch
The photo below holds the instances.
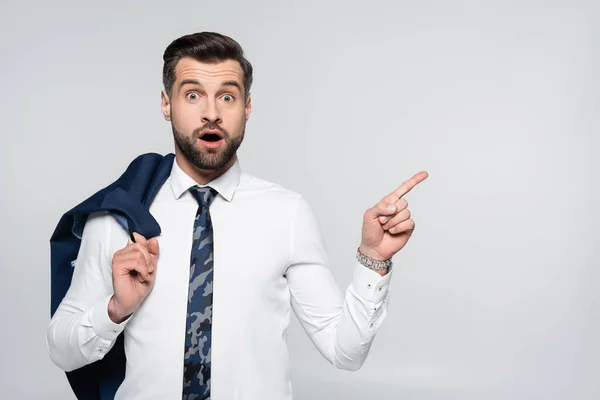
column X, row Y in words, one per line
column 371, row 262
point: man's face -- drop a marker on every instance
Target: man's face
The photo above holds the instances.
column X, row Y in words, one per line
column 208, row 111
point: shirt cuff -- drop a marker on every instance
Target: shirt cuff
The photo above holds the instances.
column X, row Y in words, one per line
column 369, row 284
column 102, row 323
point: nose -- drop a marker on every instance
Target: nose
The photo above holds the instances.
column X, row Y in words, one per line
column 211, row 113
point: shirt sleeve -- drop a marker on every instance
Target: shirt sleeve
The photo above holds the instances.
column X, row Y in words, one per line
column 81, row 331
column 341, row 326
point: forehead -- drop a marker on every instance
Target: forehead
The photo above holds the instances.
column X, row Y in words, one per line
column 228, row 70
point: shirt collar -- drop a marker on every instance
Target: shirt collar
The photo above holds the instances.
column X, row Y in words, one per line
column 225, row 184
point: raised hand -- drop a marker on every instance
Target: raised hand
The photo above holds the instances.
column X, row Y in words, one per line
column 388, row 225
column 133, row 275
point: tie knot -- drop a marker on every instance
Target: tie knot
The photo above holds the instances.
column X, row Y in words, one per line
column 203, row 195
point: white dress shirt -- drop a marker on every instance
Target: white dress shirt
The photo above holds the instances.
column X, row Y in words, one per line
column 269, row 259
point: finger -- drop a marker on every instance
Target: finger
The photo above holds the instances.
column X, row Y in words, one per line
column 151, row 267
column 137, row 253
column 139, row 238
column 141, row 278
column 146, row 258
column 153, row 246
column 406, row 227
column 140, row 244
column 134, row 250
column 141, row 272
column 145, row 276
column 410, row 184
column 153, row 251
column 133, row 254
column 384, row 208
column 135, row 269
column 400, row 205
column 400, row 217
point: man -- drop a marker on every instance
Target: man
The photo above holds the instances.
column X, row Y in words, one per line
column 205, row 306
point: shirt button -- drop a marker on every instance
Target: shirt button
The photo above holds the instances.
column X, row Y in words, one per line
column 371, row 325
column 369, row 285
column 380, row 288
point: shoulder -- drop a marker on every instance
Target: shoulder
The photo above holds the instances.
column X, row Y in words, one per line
column 251, row 186
column 290, row 207
column 103, row 231
column 96, row 223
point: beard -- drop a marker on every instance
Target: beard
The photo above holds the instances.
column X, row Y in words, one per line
column 205, row 158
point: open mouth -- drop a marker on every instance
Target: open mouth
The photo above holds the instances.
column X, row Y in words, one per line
column 211, row 139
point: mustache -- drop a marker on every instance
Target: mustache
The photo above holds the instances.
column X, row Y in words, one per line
column 212, row 127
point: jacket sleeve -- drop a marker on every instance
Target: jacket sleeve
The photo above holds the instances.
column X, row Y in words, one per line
column 341, row 326
column 80, row 331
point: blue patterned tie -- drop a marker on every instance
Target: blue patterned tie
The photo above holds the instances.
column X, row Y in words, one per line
column 196, row 368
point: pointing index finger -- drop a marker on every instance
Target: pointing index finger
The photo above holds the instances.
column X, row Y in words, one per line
column 410, row 184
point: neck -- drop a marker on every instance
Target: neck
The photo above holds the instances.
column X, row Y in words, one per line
column 200, row 176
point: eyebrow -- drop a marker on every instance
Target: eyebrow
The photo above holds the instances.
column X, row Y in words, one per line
column 195, row 82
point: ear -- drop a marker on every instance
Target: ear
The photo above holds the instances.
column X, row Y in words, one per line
column 165, row 105
column 248, row 106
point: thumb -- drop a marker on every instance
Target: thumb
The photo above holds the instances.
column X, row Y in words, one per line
column 383, row 208
column 138, row 238
column 153, row 246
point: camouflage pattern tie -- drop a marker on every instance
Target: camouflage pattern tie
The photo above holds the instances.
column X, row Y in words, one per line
column 196, row 368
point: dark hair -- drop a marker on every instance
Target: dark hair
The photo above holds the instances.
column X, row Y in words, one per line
column 208, row 47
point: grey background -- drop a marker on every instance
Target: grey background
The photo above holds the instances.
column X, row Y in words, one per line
column 496, row 296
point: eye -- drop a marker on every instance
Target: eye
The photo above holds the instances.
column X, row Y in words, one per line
column 228, row 98
column 192, row 96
